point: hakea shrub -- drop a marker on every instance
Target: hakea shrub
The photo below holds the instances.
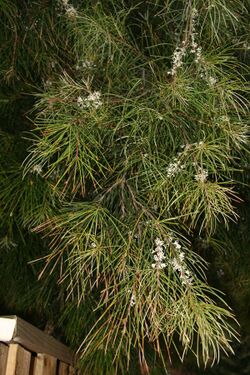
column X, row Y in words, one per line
column 137, row 129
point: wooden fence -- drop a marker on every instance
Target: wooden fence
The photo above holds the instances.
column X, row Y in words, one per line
column 33, row 352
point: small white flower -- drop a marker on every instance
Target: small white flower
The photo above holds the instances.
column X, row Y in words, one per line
column 159, row 242
column 132, row 300
column 162, row 265
column 194, row 47
column 48, row 83
column 80, row 101
column 176, row 264
column 87, row 64
column 225, row 119
column 202, row 175
column 177, row 245
column 71, row 11
column 37, row 169
column 159, row 257
column 212, row 81
column 157, row 249
column 182, row 256
column 93, row 245
column 159, row 266
column 198, row 56
column 246, row 46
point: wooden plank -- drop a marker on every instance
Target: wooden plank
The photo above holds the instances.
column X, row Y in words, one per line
column 18, row 361
column 38, row 365
column 38, row 341
column 63, row 369
column 71, row 370
column 23, row 361
column 11, row 360
column 3, row 358
column 45, row 365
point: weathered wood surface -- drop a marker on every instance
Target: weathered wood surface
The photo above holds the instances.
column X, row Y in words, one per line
column 38, row 341
column 18, row 360
column 3, row 358
column 15, row 360
column 63, row 369
column 45, row 365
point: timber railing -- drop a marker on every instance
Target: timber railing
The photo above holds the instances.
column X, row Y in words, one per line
column 26, row 350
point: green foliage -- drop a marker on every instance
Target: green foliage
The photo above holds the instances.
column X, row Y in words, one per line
column 124, row 140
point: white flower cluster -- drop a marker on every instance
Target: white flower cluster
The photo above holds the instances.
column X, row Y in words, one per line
column 208, row 77
column 180, row 51
column 212, row 80
column 198, row 56
column 37, row 169
column 240, row 131
column 159, row 255
column 179, row 265
column 91, row 101
column 195, row 48
column 188, row 146
column 178, row 57
column 87, row 64
column 202, row 175
column 174, row 167
column 71, row 12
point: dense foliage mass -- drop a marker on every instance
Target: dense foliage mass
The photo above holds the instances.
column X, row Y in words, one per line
column 124, row 157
